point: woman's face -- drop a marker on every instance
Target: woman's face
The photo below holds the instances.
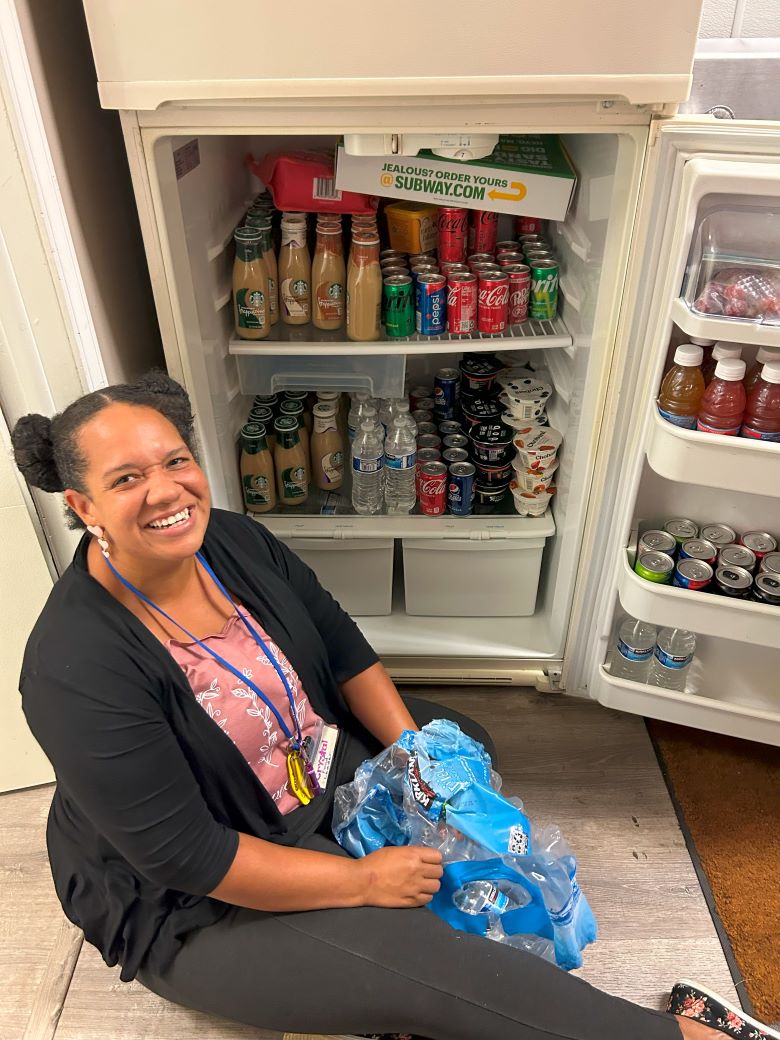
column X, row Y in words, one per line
column 143, row 486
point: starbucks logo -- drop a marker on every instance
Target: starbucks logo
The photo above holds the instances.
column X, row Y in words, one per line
column 300, row 287
column 256, row 298
column 298, row 475
column 336, row 291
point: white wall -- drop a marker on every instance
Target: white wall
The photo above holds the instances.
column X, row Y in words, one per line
column 740, row 18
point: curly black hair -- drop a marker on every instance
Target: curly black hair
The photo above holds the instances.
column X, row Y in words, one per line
column 47, row 453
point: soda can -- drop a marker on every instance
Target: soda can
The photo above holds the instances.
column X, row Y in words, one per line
column 424, row 456
column 388, row 272
column 446, row 392
column 460, row 488
column 699, row 549
column 425, row 404
column 396, row 260
column 737, row 556
column 766, row 589
column 505, row 259
column 519, row 287
column 480, row 258
column 419, row 269
column 429, row 440
column 450, row 426
column 530, row 239
column 693, row 575
column 493, row 302
column 718, row 534
column 448, row 267
column 485, row 268
column 544, row 290
column 539, row 253
column 416, row 394
column 529, row 226
column 461, row 303
column 429, row 256
column 455, row 455
column 734, row 582
column 456, row 440
column 453, row 233
column 432, row 493
column 483, row 231
column 390, row 254
column 655, row 566
column 509, row 245
column 399, row 309
column 657, row 541
column 681, row 530
column 759, row 542
column 420, row 416
column 770, row 564
column 431, row 304
column 426, row 427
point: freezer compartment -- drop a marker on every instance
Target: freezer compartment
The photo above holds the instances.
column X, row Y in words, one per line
column 358, row 572
column 462, row 577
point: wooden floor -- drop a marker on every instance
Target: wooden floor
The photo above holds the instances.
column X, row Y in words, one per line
column 591, row 770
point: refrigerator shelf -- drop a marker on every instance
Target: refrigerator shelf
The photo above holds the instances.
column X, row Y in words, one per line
column 730, row 330
column 729, row 463
column 700, row 612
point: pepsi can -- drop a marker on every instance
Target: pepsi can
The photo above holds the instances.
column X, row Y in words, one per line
column 431, row 305
column 446, row 391
column 460, row 488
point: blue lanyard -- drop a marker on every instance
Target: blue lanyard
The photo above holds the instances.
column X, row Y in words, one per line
column 295, row 741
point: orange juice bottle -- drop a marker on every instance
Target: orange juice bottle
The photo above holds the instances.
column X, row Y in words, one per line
column 683, row 387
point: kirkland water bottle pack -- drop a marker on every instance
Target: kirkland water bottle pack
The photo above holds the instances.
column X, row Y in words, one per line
column 503, row 877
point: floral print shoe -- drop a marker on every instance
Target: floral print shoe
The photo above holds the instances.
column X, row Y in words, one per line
column 691, row 1000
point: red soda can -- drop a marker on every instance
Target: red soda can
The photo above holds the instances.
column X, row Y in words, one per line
column 529, row 226
column 493, row 303
column 479, row 258
column 417, row 394
column 485, row 268
column 448, row 267
column 453, row 233
column 509, row 258
column 483, row 231
column 424, row 456
column 519, row 287
column 461, row 303
column 508, row 245
column 432, row 489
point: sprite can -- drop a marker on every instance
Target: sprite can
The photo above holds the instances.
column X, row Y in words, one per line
column 398, row 306
column 544, row 290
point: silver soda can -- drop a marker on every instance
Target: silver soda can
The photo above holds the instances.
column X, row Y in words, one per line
column 681, row 530
column 737, row 556
column 760, row 542
column 718, row 534
column 770, row 564
column 456, row 440
column 451, row 455
column 658, row 541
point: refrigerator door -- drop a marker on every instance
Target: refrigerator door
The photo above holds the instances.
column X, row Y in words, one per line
column 694, row 167
column 149, row 53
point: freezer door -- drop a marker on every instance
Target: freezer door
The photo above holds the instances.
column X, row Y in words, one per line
column 693, row 167
column 150, row 53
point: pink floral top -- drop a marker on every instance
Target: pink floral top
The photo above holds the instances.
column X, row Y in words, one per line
column 243, row 716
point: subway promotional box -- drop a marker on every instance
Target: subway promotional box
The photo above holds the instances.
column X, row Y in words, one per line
column 525, row 175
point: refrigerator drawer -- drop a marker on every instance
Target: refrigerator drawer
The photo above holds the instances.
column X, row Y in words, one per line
column 451, row 577
column 381, row 375
column 357, row 572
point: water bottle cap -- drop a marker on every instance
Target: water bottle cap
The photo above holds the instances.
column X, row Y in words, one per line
column 724, row 350
column 688, row 355
column 730, row 369
column 767, row 354
column 771, row 372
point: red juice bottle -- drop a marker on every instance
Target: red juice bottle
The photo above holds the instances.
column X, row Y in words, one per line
column 720, row 351
column 762, row 414
column 723, row 405
column 765, row 356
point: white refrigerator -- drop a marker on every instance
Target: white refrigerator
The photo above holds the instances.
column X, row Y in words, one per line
column 199, row 86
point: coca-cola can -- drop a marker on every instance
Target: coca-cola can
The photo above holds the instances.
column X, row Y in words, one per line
column 417, row 394
column 420, row 415
column 429, row 440
column 449, row 267
column 510, row 258
column 493, row 303
column 432, row 489
column 483, row 231
column 508, row 245
column 529, row 226
column 450, row 455
column 424, row 457
column 519, row 288
column 480, row 258
column 426, row 426
column 453, row 233
column 461, row 303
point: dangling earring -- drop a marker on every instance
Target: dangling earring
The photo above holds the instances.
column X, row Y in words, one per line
column 100, row 535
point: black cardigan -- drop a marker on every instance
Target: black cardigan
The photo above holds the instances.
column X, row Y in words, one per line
column 150, row 793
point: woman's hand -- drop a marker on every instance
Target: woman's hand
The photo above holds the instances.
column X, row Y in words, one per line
column 401, row 877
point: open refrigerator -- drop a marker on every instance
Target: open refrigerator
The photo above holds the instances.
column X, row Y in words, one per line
column 645, row 177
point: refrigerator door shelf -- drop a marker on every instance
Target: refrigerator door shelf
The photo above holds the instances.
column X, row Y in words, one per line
column 731, row 330
column 701, row 612
column 730, row 463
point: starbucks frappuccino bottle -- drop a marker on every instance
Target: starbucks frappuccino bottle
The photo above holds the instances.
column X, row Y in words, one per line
column 269, row 255
column 250, row 286
column 328, row 278
column 261, row 413
column 290, row 463
column 295, row 409
column 303, row 397
column 364, row 288
column 257, row 469
column 327, row 449
column 294, row 273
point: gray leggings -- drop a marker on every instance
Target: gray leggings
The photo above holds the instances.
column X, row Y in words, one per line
column 373, row 970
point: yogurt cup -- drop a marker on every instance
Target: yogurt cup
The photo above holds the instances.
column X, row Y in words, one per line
column 526, row 398
column 478, row 373
column 539, row 472
column 522, row 424
column 537, row 446
column 494, row 476
column 491, row 443
column 490, row 495
column 529, row 480
column 480, row 409
column 511, row 374
column 530, row 503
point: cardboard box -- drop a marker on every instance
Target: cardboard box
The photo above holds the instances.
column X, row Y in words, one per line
column 525, row 175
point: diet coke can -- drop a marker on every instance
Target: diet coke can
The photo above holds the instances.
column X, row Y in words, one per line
column 493, row 302
column 483, row 231
column 432, row 491
column 461, row 303
column 519, row 287
column 529, row 226
column 453, row 233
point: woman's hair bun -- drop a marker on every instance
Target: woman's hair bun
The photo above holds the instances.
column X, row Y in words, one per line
column 34, row 452
column 159, row 382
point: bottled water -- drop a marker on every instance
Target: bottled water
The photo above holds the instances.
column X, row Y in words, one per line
column 387, row 411
column 367, row 468
column 400, row 463
column 401, row 407
column 672, row 659
column 360, row 402
column 633, row 652
column 490, row 897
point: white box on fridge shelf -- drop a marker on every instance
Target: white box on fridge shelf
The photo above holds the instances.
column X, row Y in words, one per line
column 525, row 175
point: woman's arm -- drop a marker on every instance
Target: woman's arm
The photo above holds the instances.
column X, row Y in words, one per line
column 374, row 701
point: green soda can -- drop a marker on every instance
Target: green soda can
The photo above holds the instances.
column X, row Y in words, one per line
column 544, row 290
column 398, row 306
column 655, row 566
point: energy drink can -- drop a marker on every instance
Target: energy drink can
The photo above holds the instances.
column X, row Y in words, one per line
column 693, row 575
column 766, row 589
column 460, row 488
column 734, row 582
column 655, row 566
column 770, row 564
column 737, row 556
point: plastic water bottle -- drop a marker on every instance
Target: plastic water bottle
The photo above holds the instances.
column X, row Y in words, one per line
column 387, row 411
column 367, row 454
column 400, row 464
column 490, row 897
column 360, row 402
column 633, row 652
column 401, row 407
column 672, row 659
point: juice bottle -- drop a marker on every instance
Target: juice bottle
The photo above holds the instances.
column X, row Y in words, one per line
column 762, row 414
column 682, row 388
column 720, row 351
column 765, row 356
column 723, row 405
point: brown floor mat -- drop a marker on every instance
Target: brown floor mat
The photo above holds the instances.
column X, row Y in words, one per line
column 729, row 793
